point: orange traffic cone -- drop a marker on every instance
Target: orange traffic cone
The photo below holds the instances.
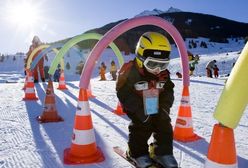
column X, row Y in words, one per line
column 183, row 130
column 221, row 151
column 119, row 110
column 29, row 88
column 62, row 85
column 50, row 113
column 84, row 148
column 89, row 92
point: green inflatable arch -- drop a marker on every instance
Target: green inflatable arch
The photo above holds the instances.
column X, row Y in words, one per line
column 77, row 39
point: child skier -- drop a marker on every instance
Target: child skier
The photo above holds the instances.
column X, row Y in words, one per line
column 146, row 93
column 193, row 60
column 216, row 71
column 56, row 75
column 113, row 70
column 102, row 71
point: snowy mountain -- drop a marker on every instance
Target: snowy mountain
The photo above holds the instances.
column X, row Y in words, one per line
column 157, row 12
column 173, row 10
column 190, row 25
column 149, row 13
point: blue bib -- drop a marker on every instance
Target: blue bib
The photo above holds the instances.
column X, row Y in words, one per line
column 150, row 100
column 151, row 105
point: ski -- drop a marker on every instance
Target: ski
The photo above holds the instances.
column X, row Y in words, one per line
column 122, row 153
column 10, row 81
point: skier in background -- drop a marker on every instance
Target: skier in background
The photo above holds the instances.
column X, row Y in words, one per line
column 216, row 71
column 146, row 93
column 56, row 75
column 193, row 60
column 113, row 70
column 40, row 66
column 179, row 75
column 210, row 65
column 102, row 71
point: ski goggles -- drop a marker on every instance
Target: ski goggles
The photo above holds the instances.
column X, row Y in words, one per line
column 155, row 64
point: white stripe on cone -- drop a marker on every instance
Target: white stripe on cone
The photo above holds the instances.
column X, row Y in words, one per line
column 185, row 101
column 83, row 108
column 61, row 82
column 184, row 122
column 30, row 79
column 29, row 90
column 84, row 137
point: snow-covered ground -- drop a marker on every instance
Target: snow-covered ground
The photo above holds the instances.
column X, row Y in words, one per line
column 27, row 143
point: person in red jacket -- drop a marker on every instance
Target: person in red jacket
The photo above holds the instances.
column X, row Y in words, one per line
column 40, row 66
column 102, row 71
column 216, row 71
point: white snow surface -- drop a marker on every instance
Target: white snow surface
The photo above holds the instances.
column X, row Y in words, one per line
column 25, row 143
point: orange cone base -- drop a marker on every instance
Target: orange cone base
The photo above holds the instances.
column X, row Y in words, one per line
column 185, row 135
column 193, row 137
column 71, row 159
column 30, row 98
column 63, row 87
column 222, row 151
column 47, row 118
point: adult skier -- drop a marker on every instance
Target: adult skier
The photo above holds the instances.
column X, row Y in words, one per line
column 210, row 65
column 40, row 66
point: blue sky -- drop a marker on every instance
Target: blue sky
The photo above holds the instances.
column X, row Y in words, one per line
column 58, row 19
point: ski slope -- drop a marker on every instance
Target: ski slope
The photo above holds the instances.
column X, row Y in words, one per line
column 26, row 143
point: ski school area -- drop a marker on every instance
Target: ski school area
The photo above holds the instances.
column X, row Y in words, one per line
column 77, row 123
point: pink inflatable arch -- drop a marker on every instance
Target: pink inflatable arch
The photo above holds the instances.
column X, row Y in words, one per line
column 121, row 28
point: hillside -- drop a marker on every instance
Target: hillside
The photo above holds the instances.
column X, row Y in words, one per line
column 225, row 53
column 190, row 25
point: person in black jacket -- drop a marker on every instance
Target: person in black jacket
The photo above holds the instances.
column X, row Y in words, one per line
column 145, row 90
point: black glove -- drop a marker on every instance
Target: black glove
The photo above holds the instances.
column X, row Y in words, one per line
column 169, row 84
column 164, row 113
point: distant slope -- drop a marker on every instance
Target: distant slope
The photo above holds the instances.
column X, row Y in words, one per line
column 190, row 25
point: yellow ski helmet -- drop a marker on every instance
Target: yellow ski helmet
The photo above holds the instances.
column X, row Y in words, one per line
column 153, row 47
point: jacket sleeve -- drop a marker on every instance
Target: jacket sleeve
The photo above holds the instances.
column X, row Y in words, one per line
column 131, row 101
column 166, row 98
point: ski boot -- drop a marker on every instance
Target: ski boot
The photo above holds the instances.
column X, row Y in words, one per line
column 166, row 161
column 141, row 162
